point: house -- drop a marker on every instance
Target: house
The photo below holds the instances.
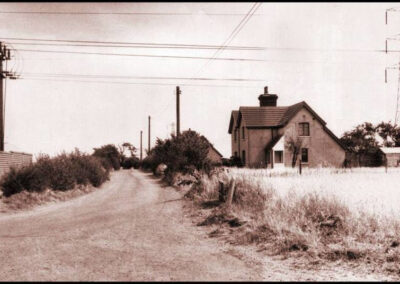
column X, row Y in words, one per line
column 214, row 156
column 392, row 156
column 276, row 136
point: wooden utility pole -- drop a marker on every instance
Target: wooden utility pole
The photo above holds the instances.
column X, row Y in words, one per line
column 4, row 55
column 178, row 122
column 141, row 139
column 1, row 98
column 149, row 135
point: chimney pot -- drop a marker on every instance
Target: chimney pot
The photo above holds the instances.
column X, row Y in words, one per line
column 267, row 99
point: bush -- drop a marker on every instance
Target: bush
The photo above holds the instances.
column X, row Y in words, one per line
column 62, row 172
column 131, row 162
column 110, row 155
column 180, row 153
column 232, row 162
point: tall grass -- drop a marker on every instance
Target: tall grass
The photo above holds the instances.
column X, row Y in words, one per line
column 324, row 212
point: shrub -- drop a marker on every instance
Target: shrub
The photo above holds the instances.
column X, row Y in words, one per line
column 111, row 154
column 62, row 172
column 131, row 162
column 183, row 153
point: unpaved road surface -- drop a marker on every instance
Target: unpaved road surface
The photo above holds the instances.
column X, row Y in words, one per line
column 130, row 229
column 134, row 229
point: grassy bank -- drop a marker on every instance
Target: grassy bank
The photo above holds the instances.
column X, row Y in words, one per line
column 327, row 214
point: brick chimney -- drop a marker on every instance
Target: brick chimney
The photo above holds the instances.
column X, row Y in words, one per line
column 267, row 99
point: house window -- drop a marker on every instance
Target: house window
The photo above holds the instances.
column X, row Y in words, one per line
column 243, row 132
column 235, row 135
column 235, row 154
column 244, row 157
column 278, row 156
column 304, row 155
column 304, row 129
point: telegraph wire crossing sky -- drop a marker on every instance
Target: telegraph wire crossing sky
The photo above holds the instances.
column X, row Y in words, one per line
column 92, row 73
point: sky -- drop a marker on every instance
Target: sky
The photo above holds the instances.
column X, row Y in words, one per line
column 327, row 54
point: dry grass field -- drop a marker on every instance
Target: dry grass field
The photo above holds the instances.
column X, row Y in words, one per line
column 371, row 190
column 328, row 214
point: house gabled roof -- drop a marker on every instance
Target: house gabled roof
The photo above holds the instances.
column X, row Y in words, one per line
column 274, row 116
column 216, row 151
column 269, row 116
column 272, row 142
column 234, row 116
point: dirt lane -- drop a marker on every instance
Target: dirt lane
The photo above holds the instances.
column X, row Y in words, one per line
column 130, row 229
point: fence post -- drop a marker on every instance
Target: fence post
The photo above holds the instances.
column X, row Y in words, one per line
column 386, row 165
column 231, row 192
column 221, row 196
column 300, row 166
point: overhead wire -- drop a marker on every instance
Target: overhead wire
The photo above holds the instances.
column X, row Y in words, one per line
column 97, row 76
column 125, row 13
column 133, row 83
column 145, row 44
column 229, row 37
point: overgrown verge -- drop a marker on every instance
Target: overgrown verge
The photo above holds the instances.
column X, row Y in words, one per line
column 60, row 173
column 27, row 200
column 312, row 224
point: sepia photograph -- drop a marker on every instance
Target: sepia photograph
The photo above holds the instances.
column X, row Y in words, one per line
column 199, row 141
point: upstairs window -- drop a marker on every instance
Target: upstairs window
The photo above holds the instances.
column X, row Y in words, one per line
column 304, row 155
column 235, row 135
column 243, row 132
column 304, row 129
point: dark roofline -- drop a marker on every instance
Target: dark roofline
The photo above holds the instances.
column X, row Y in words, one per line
column 303, row 104
column 231, row 121
column 335, row 138
column 212, row 146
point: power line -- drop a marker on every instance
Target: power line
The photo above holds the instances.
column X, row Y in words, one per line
column 152, row 46
column 230, row 36
column 136, row 83
column 63, row 75
column 180, row 45
column 237, row 29
column 143, row 55
column 126, row 13
column 192, row 46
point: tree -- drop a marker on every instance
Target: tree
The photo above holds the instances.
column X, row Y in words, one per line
column 110, row 156
column 293, row 143
column 389, row 133
column 127, row 146
column 294, row 146
column 180, row 153
column 361, row 141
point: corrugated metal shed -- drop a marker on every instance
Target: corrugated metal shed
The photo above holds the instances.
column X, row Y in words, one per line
column 13, row 159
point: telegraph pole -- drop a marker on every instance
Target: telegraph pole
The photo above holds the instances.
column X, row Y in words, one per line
column 178, row 122
column 1, row 98
column 4, row 55
column 149, row 134
column 141, row 152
